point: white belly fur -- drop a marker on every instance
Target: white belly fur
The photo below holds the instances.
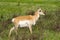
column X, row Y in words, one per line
column 24, row 23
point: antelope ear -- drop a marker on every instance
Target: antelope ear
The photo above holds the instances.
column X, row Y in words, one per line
column 38, row 8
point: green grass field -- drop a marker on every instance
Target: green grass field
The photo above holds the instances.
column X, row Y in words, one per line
column 47, row 27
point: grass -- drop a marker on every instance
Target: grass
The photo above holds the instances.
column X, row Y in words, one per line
column 51, row 35
column 47, row 27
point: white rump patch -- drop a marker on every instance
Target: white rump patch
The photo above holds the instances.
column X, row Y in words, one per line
column 13, row 20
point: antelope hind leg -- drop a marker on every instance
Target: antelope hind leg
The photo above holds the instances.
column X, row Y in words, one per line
column 11, row 30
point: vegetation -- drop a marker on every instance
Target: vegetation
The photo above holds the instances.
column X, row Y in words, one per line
column 47, row 27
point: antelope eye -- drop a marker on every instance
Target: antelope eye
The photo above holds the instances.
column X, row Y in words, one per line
column 40, row 11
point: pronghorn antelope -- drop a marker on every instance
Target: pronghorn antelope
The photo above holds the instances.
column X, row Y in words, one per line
column 26, row 21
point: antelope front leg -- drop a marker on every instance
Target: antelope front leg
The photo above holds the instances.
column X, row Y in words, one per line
column 30, row 28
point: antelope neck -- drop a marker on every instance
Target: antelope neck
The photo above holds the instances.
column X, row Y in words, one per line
column 36, row 15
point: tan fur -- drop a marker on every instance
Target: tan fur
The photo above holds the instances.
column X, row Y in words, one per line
column 28, row 17
column 21, row 18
